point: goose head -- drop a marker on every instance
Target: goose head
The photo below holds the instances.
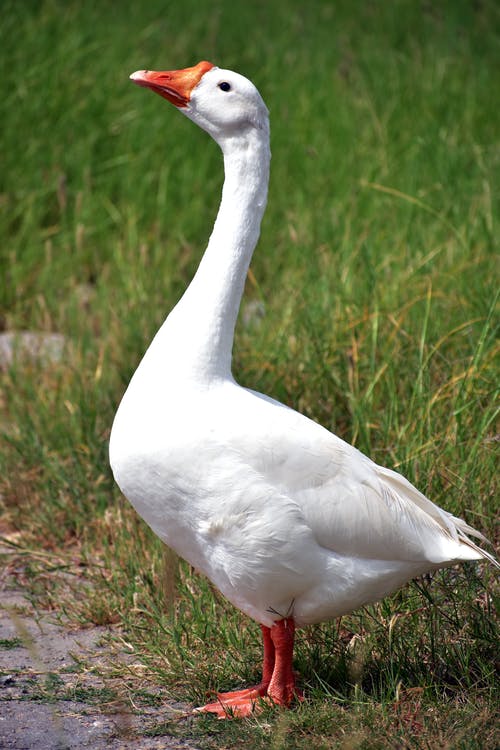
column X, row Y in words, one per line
column 222, row 102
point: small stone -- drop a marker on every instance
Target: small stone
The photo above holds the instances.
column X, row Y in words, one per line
column 31, row 346
column 253, row 313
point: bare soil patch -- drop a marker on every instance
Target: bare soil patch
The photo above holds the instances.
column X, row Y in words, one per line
column 62, row 688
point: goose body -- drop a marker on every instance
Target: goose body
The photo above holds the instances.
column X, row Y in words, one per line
column 291, row 523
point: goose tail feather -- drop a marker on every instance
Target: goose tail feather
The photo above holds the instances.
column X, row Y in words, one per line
column 464, row 531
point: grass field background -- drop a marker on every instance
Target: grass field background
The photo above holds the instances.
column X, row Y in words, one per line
column 371, row 307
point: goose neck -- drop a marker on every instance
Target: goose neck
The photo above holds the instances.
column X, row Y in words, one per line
column 201, row 326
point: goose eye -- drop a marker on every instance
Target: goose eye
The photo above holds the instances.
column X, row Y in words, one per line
column 225, row 86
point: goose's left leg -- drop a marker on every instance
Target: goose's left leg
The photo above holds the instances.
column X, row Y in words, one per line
column 282, row 688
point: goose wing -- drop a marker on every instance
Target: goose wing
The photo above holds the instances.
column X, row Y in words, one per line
column 353, row 506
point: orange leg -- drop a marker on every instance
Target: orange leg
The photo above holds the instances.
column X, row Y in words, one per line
column 278, row 680
column 282, row 689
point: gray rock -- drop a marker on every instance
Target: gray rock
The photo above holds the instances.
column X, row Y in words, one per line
column 31, row 346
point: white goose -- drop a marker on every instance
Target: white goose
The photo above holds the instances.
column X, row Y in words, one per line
column 291, row 523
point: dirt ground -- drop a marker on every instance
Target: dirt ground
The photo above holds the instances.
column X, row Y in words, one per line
column 58, row 688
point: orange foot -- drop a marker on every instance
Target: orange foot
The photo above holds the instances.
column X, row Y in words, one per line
column 241, row 703
column 278, row 680
column 236, row 704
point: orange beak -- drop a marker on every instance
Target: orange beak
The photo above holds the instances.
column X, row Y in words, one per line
column 174, row 85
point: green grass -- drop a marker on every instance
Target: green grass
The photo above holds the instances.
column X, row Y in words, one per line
column 376, row 270
column 10, row 643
